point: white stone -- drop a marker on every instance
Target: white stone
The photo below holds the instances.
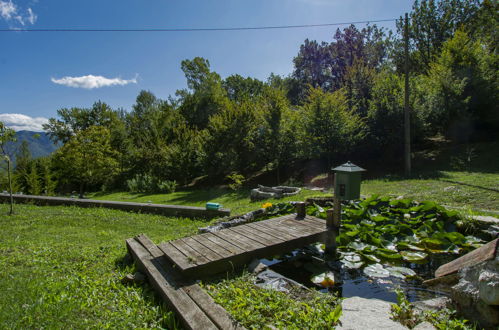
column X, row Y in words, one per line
column 488, row 287
column 362, row 313
column 424, row 326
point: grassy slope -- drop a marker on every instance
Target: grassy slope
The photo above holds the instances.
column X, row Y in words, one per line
column 470, row 190
column 61, row 266
column 237, row 201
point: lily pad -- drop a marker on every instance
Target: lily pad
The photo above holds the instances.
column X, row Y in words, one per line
column 325, row 280
column 376, row 270
column 401, row 272
column 413, row 256
column 352, row 265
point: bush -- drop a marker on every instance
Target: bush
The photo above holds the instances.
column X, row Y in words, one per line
column 236, row 180
column 149, row 184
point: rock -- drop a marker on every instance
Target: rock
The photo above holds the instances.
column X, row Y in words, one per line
column 488, row 287
column 424, row 326
column 269, row 279
column 128, row 279
column 256, row 266
column 467, row 293
column 139, row 277
column 362, row 313
column 434, row 304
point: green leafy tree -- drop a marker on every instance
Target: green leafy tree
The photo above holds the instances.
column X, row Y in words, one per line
column 432, row 22
column 329, row 127
column 88, row 158
column 459, row 94
column 205, row 95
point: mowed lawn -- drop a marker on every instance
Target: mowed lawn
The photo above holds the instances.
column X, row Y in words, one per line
column 61, row 268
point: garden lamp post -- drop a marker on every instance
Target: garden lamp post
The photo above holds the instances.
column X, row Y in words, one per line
column 347, row 178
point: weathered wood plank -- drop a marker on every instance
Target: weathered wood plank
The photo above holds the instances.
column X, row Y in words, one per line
column 168, row 210
column 201, row 249
column 214, row 311
column 262, row 234
column 486, row 252
column 175, row 256
column 232, row 247
column 241, row 241
column 272, row 231
column 149, row 246
column 189, row 313
column 248, row 233
column 220, row 250
column 193, row 256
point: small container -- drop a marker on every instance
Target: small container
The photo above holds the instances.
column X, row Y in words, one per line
column 213, row 206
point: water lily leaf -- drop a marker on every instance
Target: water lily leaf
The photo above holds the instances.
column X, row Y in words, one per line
column 408, row 246
column 413, row 256
column 376, row 270
column 370, row 257
column 368, row 223
column 401, row 272
column 351, row 257
column 325, row 280
column 387, row 254
column 352, row 265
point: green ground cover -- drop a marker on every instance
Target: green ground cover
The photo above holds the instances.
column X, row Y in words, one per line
column 62, row 266
column 237, row 201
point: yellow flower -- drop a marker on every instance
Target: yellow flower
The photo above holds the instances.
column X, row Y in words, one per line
column 266, row 205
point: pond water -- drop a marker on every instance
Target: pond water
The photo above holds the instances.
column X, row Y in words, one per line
column 302, row 265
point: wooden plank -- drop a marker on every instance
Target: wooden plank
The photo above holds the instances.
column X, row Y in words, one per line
column 222, row 242
column 272, row 231
column 189, row 313
column 220, row 250
column 215, row 312
column 149, row 246
column 486, row 252
column 248, row 233
column 261, row 233
column 175, row 256
column 241, row 241
column 201, row 249
column 193, row 256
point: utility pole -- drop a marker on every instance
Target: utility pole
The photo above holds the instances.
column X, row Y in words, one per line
column 407, row 116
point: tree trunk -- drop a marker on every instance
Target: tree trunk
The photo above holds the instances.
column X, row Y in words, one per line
column 10, row 188
column 82, row 189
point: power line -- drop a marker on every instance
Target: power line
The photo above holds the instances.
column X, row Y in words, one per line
column 197, row 29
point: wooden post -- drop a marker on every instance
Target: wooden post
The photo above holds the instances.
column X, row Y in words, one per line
column 300, row 210
column 333, row 222
column 407, row 116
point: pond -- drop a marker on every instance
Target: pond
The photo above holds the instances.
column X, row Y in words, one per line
column 301, row 266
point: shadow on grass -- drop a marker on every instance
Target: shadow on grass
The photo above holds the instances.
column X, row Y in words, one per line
column 198, row 196
column 472, row 185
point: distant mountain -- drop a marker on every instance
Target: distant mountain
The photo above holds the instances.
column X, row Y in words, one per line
column 39, row 144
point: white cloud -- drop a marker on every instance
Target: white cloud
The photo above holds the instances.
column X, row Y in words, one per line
column 91, row 81
column 10, row 12
column 19, row 122
column 7, row 10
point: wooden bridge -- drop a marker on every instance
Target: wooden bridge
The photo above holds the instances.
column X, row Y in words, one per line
column 172, row 267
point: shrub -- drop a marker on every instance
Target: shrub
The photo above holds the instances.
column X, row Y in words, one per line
column 149, row 184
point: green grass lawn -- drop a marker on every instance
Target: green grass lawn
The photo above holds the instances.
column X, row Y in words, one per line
column 471, row 191
column 62, row 266
column 237, row 201
column 475, row 191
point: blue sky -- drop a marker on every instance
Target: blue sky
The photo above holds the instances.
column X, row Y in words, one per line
column 41, row 72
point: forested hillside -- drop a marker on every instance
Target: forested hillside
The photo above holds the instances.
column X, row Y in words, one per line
column 344, row 100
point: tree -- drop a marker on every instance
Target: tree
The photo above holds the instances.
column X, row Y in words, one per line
column 7, row 135
column 329, row 127
column 75, row 120
column 205, row 95
column 432, row 22
column 87, row 158
column 459, row 94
